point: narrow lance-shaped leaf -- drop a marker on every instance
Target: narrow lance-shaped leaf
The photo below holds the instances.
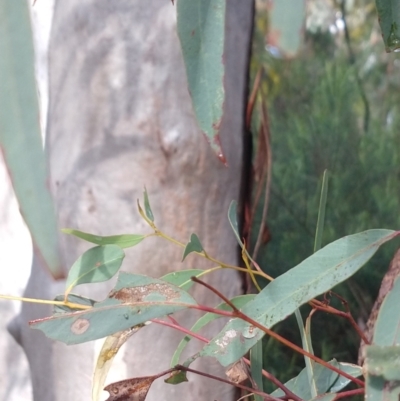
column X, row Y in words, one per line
column 135, row 300
column 20, row 138
column 317, row 274
column 95, row 265
column 123, row 240
column 201, row 30
column 147, row 207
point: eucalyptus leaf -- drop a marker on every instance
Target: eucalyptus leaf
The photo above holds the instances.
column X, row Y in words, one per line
column 20, row 134
column 201, row 30
column 238, row 301
column 147, row 207
column 323, row 377
column 182, row 278
column 95, row 265
column 194, row 245
column 135, row 300
column 123, row 240
column 315, row 275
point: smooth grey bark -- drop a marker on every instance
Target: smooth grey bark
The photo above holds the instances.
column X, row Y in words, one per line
column 120, row 118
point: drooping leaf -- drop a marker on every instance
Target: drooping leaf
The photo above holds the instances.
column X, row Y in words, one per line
column 238, row 301
column 182, row 278
column 95, row 265
column 286, row 25
column 232, row 217
column 147, row 208
column 134, row 300
column 305, row 334
column 20, row 137
column 194, row 245
column 256, row 359
column 110, row 348
column 389, row 20
column 315, row 275
column 123, row 240
column 201, row 30
column 130, row 389
column 325, row 379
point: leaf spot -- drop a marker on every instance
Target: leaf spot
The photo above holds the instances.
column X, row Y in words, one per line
column 80, row 326
column 138, row 294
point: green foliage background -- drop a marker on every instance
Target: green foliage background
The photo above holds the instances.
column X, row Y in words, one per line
column 335, row 106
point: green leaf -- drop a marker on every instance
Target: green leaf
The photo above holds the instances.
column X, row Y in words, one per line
column 20, row 136
column 232, row 217
column 135, row 300
column 286, row 26
column 194, row 245
column 383, row 361
column 238, row 301
column 342, row 382
column 299, row 385
column 147, row 208
column 315, row 275
column 95, row 265
column 182, row 278
column 387, row 326
column 201, row 30
column 389, row 20
column 176, row 377
column 321, row 213
column 256, row 360
column 123, row 240
column 382, row 370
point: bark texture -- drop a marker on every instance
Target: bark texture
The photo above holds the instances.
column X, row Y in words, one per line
column 120, row 118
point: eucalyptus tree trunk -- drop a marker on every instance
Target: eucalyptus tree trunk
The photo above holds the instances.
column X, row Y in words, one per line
column 120, row 118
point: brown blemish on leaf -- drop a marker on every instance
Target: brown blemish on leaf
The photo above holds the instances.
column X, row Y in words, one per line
column 80, row 326
column 130, row 389
column 237, row 372
column 138, row 294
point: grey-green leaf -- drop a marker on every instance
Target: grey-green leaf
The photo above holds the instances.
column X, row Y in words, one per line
column 325, row 380
column 201, row 30
column 134, row 300
column 194, row 245
column 182, row 278
column 147, row 207
column 20, row 137
column 387, row 326
column 123, row 240
column 238, row 301
column 232, row 217
column 389, row 20
column 317, row 274
column 95, row 265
